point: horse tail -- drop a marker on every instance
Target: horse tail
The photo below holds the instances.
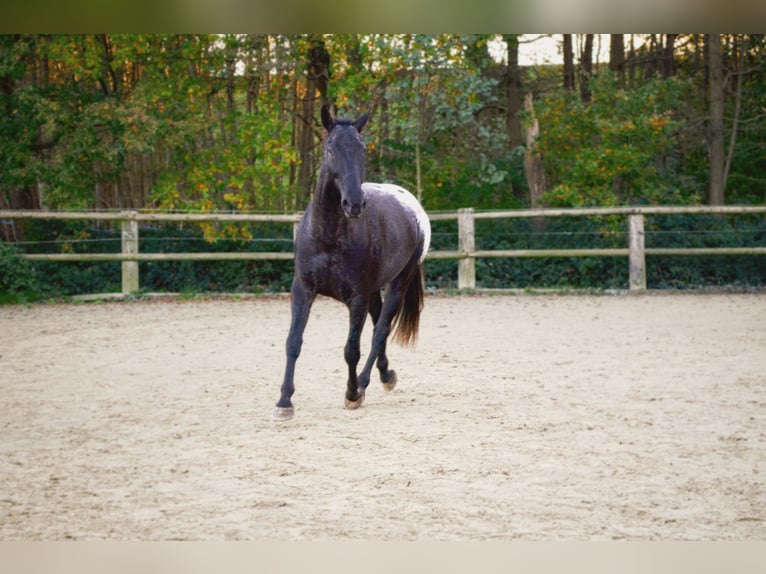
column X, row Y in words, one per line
column 406, row 320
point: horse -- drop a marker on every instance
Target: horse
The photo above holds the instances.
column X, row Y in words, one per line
column 362, row 244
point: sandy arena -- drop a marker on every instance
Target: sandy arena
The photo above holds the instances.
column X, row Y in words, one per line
column 515, row 417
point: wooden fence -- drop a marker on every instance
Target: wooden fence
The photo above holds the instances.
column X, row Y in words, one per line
column 466, row 254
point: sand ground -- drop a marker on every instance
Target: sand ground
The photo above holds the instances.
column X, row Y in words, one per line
column 515, row 417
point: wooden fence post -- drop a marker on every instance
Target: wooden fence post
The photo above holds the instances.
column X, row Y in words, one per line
column 466, row 270
column 299, row 215
column 129, row 247
column 637, row 257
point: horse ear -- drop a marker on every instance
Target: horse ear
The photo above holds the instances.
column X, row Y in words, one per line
column 327, row 120
column 362, row 121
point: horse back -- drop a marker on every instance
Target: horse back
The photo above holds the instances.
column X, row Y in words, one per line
column 401, row 215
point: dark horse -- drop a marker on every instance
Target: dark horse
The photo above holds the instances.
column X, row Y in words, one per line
column 356, row 239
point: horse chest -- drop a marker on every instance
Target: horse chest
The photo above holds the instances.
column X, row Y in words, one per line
column 336, row 271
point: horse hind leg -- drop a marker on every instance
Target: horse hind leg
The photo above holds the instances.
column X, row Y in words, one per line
column 388, row 312
column 400, row 310
column 387, row 376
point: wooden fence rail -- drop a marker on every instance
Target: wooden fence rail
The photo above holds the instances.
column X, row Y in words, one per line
column 466, row 254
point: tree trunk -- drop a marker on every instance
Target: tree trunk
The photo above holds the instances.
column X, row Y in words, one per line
column 317, row 80
column 230, row 66
column 229, row 129
column 533, row 161
column 586, row 68
column 257, row 45
column 739, row 72
column 110, row 82
column 715, row 127
column 668, row 67
column 569, row 71
column 513, row 91
column 617, row 57
column 319, row 67
column 631, row 62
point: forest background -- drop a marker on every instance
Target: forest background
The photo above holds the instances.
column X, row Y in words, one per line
column 230, row 122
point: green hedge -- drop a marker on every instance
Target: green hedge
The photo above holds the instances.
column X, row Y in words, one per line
column 18, row 279
column 76, row 278
column 552, row 272
column 663, row 272
column 21, row 280
column 681, row 272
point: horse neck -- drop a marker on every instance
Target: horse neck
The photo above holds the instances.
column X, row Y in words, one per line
column 327, row 214
column 326, row 202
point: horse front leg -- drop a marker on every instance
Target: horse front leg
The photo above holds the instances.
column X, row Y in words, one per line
column 387, row 377
column 300, row 306
column 357, row 315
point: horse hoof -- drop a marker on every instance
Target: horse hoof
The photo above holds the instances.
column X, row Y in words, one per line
column 388, row 385
column 351, row 405
column 283, row 413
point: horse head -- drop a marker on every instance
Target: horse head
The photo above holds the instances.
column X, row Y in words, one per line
column 344, row 159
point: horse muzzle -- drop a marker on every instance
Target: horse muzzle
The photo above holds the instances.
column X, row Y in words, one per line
column 353, row 209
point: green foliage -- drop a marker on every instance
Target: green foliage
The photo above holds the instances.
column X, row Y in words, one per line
column 435, row 104
column 250, row 171
column 619, row 148
column 18, row 128
column 745, row 183
column 209, row 122
column 213, row 122
column 18, row 280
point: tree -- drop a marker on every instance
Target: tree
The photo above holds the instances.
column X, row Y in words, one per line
column 513, row 90
column 223, row 122
column 586, row 67
column 569, row 70
column 715, row 125
column 317, row 80
column 615, row 149
column 441, row 125
column 20, row 134
column 668, row 55
column 533, row 162
column 617, row 57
